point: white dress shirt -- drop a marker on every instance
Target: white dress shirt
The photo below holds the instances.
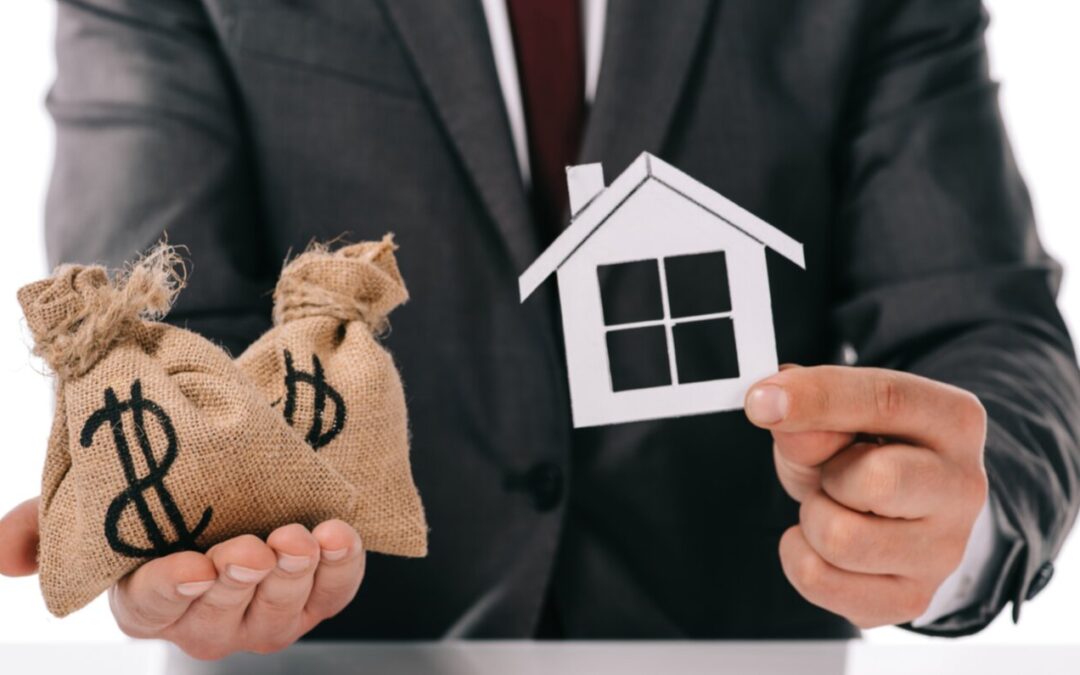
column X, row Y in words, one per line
column 977, row 572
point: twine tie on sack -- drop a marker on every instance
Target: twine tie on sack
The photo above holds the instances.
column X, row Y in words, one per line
column 77, row 315
column 296, row 298
column 359, row 282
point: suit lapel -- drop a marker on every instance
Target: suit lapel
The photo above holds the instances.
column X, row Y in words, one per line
column 450, row 48
column 649, row 50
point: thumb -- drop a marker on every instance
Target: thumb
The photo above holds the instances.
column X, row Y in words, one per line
column 19, row 540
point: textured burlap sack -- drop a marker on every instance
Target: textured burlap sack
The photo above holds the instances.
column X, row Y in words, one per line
column 159, row 443
column 331, row 379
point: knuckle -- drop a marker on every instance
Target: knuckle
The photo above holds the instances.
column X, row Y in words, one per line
column 326, row 605
column 970, row 491
column 133, row 619
column 881, row 478
column 837, row 537
column 888, row 395
column 974, row 490
column 816, row 399
column 279, row 575
column 220, row 605
column 142, row 618
column 810, row 572
column 121, row 615
column 970, row 416
column 327, row 602
column 279, row 604
column 974, row 410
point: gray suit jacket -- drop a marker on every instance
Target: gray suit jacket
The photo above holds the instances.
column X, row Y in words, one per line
column 869, row 131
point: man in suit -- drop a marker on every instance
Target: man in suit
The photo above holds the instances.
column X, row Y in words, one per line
column 931, row 479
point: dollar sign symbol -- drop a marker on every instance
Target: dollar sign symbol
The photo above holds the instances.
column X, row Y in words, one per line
column 322, row 391
column 112, row 413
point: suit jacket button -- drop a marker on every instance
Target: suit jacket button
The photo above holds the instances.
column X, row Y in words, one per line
column 1039, row 581
column 545, row 484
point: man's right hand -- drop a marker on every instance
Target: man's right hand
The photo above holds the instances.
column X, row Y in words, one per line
column 243, row 594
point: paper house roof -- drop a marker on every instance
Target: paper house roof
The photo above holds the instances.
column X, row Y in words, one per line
column 591, row 204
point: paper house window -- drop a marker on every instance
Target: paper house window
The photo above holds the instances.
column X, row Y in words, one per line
column 678, row 326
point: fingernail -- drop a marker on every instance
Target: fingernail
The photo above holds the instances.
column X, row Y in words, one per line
column 193, row 588
column 767, row 404
column 245, row 575
column 293, row 563
column 336, row 554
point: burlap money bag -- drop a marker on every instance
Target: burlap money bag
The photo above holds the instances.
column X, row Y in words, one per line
column 334, row 382
column 159, row 443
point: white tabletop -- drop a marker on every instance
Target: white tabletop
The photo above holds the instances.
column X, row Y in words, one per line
column 529, row 658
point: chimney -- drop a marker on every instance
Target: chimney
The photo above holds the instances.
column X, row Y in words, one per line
column 584, row 182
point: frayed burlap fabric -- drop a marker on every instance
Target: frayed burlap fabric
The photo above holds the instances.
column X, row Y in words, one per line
column 159, row 443
column 339, row 388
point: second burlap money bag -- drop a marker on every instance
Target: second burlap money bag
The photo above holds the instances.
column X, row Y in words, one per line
column 330, row 377
column 159, row 442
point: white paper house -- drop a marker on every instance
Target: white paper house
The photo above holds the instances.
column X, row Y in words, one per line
column 655, row 217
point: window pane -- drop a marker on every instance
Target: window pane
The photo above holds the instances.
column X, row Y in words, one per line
column 638, row 358
column 705, row 350
column 630, row 292
column 697, row 284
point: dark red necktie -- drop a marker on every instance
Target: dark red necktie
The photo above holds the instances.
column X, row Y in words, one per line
column 551, row 68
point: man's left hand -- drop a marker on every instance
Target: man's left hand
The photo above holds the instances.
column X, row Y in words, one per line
column 888, row 470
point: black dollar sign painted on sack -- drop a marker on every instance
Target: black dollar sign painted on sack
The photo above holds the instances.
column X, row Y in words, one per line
column 322, row 391
column 113, row 414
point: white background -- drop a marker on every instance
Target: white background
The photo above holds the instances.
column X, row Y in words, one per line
column 1035, row 52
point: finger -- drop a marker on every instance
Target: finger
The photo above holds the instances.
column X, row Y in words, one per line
column 19, row 540
column 867, row 600
column 213, row 621
column 859, row 542
column 340, row 571
column 799, row 455
column 810, row 448
column 868, row 400
column 894, row 480
column 156, row 595
column 796, row 479
column 273, row 619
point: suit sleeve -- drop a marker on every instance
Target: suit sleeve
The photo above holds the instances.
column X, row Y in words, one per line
column 150, row 143
column 941, row 272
